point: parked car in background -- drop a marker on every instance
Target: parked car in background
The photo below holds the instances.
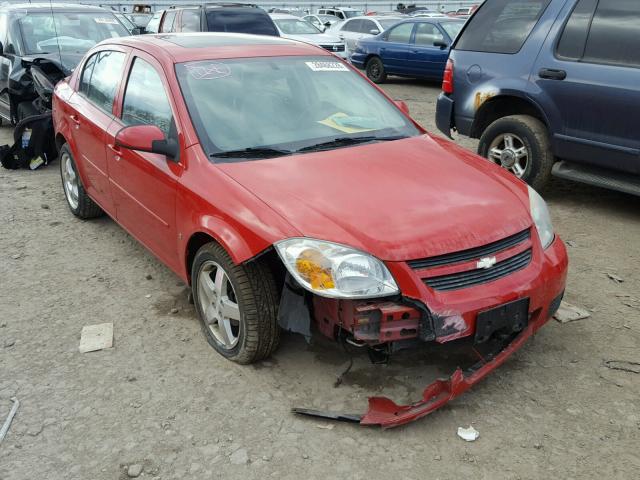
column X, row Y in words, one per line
column 321, row 22
column 413, row 48
column 421, row 14
column 55, row 37
column 341, row 13
column 216, row 17
column 550, row 87
column 358, row 28
column 131, row 27
column 298, row 12
column 153, row 25
column 140, row 19
column 295, row 28
column 232, row 158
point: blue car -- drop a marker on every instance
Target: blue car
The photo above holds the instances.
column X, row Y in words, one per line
column 413, row 48
column 551, row 88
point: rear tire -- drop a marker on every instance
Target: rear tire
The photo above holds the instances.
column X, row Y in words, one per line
column 249, row 332
column 375, row 70
column 521, row 144
column 80, row 204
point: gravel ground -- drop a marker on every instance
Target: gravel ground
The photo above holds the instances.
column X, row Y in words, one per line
column 163, row 403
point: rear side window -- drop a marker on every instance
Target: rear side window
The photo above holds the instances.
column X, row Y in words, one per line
column 105, row 79
column 401, row 33
column 614, row 37
column 246, row 21
column 501, row 26
column 574, row 36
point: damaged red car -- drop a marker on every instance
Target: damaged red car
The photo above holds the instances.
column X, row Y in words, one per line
column 291, row 193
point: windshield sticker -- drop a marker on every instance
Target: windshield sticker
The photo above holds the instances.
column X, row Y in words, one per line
column 327, row 66
column 110, row 21
column 208, row 70
column 345, row 123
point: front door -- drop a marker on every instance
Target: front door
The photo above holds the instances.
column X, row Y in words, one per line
column 427, row 57
column 143, row 184
column 588, row 83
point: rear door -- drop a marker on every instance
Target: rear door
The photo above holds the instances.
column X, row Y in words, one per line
column 425, row 58
column 90, row 118
column 143, row 184
column 588, row 76
column 395, row 49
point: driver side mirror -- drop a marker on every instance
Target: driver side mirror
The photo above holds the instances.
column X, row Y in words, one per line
column 402, row 106
column 147, row 138
column 440, row 43
column 374, row 31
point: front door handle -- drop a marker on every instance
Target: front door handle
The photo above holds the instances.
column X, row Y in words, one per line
column 116, row 151
column 76, row 120
column 552, row 74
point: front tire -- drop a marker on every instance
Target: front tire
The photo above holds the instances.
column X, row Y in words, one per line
column 375, row 70
column 237, row 305
column 520, row 144
column 80, row 204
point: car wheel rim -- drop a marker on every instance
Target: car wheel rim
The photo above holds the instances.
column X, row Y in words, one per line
column 219, row 305
column 374, row 70
column 509, row 151
column 69, row 180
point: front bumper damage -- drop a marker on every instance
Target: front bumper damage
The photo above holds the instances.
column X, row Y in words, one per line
column 542, row 284
column 386, row 413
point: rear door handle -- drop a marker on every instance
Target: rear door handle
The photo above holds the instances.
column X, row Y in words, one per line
column 552, row 74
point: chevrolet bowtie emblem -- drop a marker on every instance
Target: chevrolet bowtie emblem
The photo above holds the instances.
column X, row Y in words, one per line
column 486, row 262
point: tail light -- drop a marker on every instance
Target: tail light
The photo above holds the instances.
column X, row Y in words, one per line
column 447, row 79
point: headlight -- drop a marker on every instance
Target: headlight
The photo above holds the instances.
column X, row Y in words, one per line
column 335, row 271
column 541, row 218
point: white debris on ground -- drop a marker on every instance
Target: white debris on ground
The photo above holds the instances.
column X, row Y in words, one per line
column 468, row 434
column 570, row 313
column 96, row 337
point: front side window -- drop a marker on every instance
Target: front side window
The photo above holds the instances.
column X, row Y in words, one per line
column 452, row 28
column 352, row 26
column 501, row 26
column 427, row 34
column 614, row 37
column 367, row 25
column 145, row 99
column 105, row 79
column 401, row 33
column 290, row 26
column 247, row 20
column 190, row 21
column 285, row 103
column 67, row 31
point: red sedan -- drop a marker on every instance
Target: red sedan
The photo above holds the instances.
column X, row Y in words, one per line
column 290, row 192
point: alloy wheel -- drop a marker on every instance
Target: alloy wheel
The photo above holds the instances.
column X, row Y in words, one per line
column 509, row 151
column 69, row 180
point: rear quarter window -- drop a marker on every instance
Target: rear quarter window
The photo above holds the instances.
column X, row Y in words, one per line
column 501, row 26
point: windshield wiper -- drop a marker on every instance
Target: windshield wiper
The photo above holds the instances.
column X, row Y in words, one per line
column 346, row 141
column 252, row 152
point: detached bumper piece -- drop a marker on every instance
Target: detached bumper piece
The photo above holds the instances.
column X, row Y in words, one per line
column 386, row 413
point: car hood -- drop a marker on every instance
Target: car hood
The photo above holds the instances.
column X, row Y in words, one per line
column 398, row 200
column 315, row 38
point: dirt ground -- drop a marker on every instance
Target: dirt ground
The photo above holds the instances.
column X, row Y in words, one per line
column 162, row 399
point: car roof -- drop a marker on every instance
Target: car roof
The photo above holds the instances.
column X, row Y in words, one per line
column 378, row 17
column 75, row 7
column 283, row 16
column 185, row 47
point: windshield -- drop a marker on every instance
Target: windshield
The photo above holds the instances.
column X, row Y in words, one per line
column 452, row 28
column 70, row 32
column 290, row 26
column 386, row 23
column 284, row 103
column 352, row 13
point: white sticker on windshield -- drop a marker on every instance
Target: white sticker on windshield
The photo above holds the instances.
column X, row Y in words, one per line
column 111, row 21
column 327, row 66
column 208, row 70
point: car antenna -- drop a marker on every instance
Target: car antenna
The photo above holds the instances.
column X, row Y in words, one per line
column 55, row 30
